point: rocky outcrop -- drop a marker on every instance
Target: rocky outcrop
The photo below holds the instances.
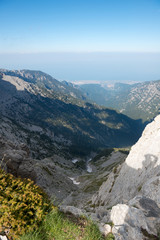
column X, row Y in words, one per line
column 139, row 221
column 139, row 173
column 49, row 173
column 133, row 192
column 72, row 210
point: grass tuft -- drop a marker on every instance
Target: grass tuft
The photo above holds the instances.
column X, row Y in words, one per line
column 59, row 226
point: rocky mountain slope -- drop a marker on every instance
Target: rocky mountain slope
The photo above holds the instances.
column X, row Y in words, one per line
column 44, row 80
column 127, row 203
column 132, row 192
column 43, row 114
column 137, row 101
column 122, row 196
column 52, row 174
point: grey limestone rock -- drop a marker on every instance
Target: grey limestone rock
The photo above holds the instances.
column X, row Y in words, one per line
column 134, row 194
column 49, row 173
column 128, row 222
column 151, row 189
column 105, row 229
column 73, row 210
column 139, row 173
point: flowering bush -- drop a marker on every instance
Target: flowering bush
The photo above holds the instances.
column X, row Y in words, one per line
column 23, row 205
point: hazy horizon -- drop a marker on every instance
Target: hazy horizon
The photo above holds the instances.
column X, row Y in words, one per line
column 101, row 67
column 98, row 40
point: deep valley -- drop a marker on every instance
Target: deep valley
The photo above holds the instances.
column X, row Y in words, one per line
column 90, row 160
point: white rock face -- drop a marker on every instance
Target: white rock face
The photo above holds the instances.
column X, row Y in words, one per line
column 140, row 172
column 134, row 189
column 17, row 82
column 3, row 237
column 105, row 229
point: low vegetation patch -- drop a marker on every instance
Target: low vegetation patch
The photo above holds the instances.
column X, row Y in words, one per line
column 27, row 214
column 23, row 205
column 110, row 236
column 59, row 226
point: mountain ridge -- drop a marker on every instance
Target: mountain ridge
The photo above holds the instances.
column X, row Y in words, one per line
column 138, row 101
column 63, row 119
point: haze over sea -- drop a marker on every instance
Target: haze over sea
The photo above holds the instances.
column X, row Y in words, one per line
column 89, row 67
column 82, row 41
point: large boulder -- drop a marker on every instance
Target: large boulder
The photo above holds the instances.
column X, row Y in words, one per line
column 138, row 220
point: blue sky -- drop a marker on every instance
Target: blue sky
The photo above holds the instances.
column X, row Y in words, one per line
column 82, row 34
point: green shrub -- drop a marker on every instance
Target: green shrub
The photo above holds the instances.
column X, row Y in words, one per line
column 26, row 211
column 110, row 236
column 23, row 205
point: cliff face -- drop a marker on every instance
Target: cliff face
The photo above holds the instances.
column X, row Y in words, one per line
column 135, row 189
column 140, row 170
